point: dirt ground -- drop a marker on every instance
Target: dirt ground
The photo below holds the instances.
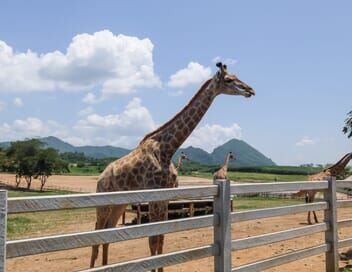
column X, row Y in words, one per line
column 78, row 259
column 87, row 183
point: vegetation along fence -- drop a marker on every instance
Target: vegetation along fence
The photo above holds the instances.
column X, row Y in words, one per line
column 221, row 221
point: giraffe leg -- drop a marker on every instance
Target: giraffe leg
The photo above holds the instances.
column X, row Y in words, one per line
column 157, row 211
column 115, row 214
column 103, row 214
column 308, row 218
column 315, row 217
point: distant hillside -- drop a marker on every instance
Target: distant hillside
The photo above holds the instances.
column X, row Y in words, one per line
column 245, row 154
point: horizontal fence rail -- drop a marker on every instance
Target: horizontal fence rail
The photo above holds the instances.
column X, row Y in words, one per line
column 154, row 262
column 46, row 203
column 239, row 189
column 283, row 259
column 33, row 246
column 221, row 221
column 275, row 237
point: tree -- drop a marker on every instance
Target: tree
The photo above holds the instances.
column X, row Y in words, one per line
column 347, row 129
column 48, row 162
column 23, row 155
column 30, row 160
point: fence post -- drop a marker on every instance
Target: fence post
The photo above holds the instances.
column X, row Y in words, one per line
column 331, row 235
column 222, row 231
column 3, row 229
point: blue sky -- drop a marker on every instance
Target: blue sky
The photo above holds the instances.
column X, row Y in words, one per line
column 93, row 72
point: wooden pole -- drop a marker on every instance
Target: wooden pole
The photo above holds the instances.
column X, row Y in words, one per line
column 222, row 230
column 3, row 229
column 331, row 235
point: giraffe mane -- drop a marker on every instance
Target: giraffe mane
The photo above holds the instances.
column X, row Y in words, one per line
column 202, row 88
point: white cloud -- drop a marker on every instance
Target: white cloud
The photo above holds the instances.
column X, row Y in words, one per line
column 194, row 73
column 115, row 63
column 18, row 102
column 123, row 129
column 208, row 136
column 86, row 111
column 227, row 61
column 30, row 127
column 305, row 141
column 91, row 98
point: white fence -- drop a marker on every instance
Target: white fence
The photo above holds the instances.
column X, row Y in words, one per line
column 221, row 220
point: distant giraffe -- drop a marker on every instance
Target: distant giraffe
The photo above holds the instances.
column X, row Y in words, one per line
column 222, row 172
column 333, row 170
column 148, row 165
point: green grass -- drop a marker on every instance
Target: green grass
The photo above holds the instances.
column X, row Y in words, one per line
column 265, row 177
column 247, row 203
column 84, row 171
column 37, row 193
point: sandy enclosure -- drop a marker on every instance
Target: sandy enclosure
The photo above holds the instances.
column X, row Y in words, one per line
column 78, row 259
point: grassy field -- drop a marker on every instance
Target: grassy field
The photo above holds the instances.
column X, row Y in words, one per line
column 265, row 177
column 35, row 224
column 84, row 171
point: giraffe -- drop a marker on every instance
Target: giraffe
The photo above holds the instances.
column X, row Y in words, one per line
column 148, row 165
column 333, row 170
column 156, row 242
column 222, row 172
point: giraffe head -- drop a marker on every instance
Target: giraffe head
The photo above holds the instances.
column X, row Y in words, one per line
column 232, row 156
column 184, row 156
column 230, row 84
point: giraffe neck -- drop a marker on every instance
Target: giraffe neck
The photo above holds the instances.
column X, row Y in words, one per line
column 226, row 162
column 179, row 164
column 338, row 167
column 173, row 133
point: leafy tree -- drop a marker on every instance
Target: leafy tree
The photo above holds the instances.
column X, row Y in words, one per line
column 48, row 162
column 347, row 129
column 30, row 160
column 23, row 155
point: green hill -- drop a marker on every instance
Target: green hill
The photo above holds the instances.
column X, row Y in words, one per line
column 245, row 154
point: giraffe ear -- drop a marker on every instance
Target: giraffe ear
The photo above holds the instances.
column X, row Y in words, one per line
column 219, row 65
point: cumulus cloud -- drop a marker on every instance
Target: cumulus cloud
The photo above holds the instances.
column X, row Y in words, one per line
column 122, row 129
column 115, row 63
column 86, row 111
column 17, row 101
column 305, row 141
column 194, row 73
column 30, row 127
column 208, row 136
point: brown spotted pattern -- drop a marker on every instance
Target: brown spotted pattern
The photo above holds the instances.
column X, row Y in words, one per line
column 148, row 166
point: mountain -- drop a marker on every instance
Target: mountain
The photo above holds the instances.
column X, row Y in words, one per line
column 90, row 151
column 195, row 154
column 245, row 154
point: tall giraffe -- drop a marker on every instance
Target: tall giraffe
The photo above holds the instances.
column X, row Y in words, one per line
column 333, row 170
column 148, row 165
column 222, row 172
column 156, row 242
